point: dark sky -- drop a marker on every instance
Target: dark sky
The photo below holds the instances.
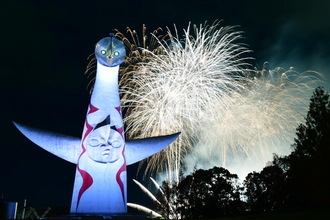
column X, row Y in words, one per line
column 44, row 50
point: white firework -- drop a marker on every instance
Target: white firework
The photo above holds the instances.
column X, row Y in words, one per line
column 259, row 123
column 182, row 88
column 167, row 208
column 200, row 84
column 144, row 209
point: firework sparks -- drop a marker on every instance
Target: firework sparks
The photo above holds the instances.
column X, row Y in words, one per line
column 260, row 123
column 166, row 207
column 139, row 49
column 146, row 191
column 181, row 88
column 144, row 209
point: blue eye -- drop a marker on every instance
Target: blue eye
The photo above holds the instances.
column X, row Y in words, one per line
column 116, row 53
column 103, row 52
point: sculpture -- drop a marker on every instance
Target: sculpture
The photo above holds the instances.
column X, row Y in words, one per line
column 102, row 153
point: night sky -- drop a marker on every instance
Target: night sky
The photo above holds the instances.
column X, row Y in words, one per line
column 44, row 50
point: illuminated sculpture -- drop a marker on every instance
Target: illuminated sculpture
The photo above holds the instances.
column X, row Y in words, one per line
column 102, row 153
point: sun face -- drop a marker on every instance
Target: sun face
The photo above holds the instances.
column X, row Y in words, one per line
column 104, row 145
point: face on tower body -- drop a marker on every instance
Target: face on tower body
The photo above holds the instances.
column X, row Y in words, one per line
column 110, row 51
column 104, row 145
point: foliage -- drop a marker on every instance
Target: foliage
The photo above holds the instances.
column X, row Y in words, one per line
column 266, row 191
column 313, row 137
column 204, row 194
column 308, row 161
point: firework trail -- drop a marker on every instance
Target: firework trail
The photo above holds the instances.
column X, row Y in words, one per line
column 145, row 210
column 166, row 207
column 157, row 186
column 181, row 88
column 146, row 191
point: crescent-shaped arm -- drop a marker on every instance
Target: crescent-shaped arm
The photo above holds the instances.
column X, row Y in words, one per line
column 139, row 149
column 63, row 146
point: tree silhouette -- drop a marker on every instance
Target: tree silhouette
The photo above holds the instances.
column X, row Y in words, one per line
column 308, row 163
column 254, row 190
column 266, row 191
column 313, row 137
column 309, row 167
column 205, row 193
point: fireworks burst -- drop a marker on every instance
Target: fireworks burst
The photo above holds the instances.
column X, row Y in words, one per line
column 200, row 84
column 139, row 48
column 181, row 88
column 256, row 125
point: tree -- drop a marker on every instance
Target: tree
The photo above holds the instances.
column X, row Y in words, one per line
column 313, row 137
column 202, row 194
column 209, row 193
column 254, row 189
column 309, row 167
column 265, row 191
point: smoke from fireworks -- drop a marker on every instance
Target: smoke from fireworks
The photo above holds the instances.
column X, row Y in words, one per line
column 256, row 125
